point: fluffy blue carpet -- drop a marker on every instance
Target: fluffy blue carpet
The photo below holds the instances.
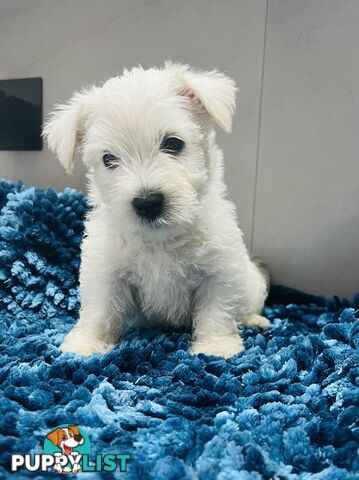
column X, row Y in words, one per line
column 286, row 408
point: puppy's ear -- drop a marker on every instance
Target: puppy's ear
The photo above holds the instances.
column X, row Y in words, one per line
column 53, row 437
column 211, row 93
column 64, row 129
column 74, row 429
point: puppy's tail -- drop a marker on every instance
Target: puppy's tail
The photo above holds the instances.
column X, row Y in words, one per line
column 263, row 268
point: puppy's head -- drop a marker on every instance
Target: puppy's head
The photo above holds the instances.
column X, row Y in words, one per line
column 144, row 137
column 66, row 438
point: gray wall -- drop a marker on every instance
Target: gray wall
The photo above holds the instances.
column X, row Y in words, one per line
column 292, row 159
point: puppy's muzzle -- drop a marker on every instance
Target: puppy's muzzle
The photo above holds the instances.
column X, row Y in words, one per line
column 149, row 205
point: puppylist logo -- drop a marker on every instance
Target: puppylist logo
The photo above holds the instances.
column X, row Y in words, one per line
column 67, row 450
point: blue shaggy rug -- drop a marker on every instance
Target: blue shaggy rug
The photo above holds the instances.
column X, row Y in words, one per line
column 286, row 408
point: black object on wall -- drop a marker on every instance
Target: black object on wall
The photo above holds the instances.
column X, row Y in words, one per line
column 21, row 114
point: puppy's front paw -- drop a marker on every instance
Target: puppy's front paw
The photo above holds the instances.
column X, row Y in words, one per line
column 255, row 320
column 83, row 343
column 220, row 346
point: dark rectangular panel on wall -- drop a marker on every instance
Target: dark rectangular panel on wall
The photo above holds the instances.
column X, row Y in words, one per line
column 21, row 114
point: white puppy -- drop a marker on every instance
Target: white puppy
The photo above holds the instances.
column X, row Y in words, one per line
column 162, row 245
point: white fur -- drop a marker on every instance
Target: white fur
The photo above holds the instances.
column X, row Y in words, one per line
column 189, row 268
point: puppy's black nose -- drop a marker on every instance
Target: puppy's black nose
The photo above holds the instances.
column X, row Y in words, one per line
column 149, row 205
column 78, row 438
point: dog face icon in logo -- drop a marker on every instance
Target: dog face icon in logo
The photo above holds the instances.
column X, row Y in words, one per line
column 67, row 440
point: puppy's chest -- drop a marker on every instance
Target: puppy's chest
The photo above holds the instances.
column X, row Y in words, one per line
column 163, row 282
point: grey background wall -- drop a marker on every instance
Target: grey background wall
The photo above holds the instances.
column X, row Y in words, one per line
column 292, row 159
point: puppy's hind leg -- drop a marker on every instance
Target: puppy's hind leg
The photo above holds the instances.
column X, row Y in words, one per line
column 258, row 284
column 255, row 320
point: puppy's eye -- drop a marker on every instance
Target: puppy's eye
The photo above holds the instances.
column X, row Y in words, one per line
column 172, row 145
column 110, row 161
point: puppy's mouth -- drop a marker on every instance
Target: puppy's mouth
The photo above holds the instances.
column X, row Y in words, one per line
column 68, row 450
column 158, row 222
